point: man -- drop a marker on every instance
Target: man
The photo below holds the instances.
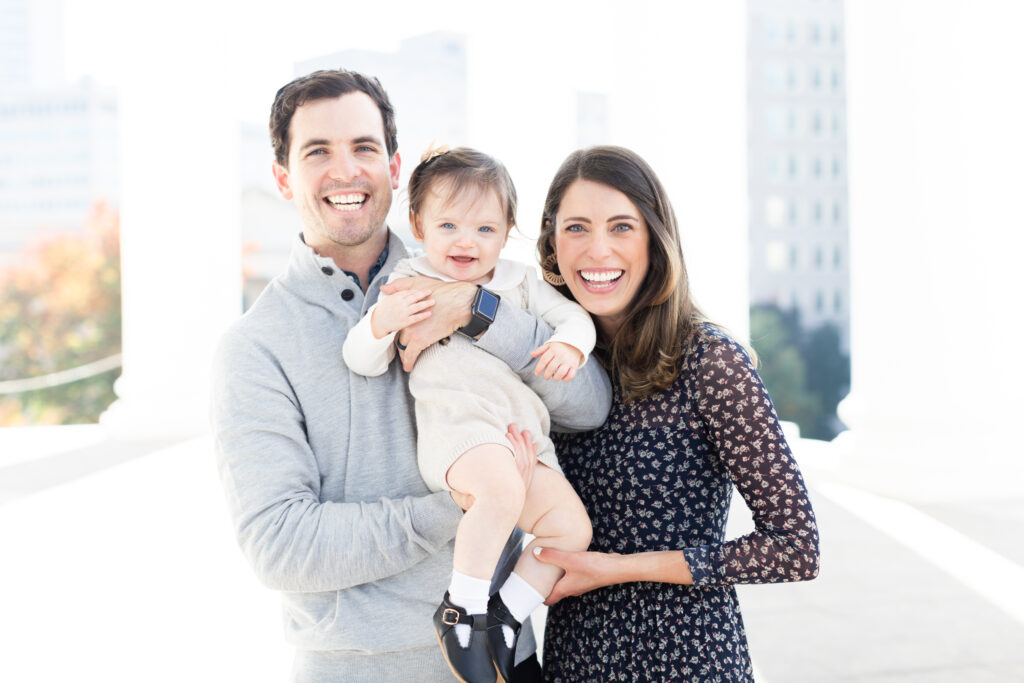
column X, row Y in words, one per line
column 319, row 464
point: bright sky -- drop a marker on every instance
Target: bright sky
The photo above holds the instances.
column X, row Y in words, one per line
column 579, row 37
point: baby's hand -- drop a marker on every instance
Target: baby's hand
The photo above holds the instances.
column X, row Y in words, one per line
column 399, row 311
column 557, row 360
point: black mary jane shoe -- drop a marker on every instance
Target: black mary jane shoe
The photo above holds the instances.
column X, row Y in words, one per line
column 503, row 655
column 469, row 664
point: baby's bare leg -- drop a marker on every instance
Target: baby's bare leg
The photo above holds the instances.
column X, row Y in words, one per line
column 487, row 472
column 554, row 514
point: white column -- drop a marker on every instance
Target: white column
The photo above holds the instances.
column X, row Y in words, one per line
column 936, row 224
column 675, row 76
column 180, row 254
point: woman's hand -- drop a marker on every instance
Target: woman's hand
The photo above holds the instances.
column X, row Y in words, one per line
column 524, row 451
column 584, row 571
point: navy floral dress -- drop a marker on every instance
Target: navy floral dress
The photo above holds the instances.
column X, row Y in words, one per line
column 659, row 476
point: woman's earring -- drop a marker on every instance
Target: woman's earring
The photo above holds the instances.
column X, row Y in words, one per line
column 549, row 268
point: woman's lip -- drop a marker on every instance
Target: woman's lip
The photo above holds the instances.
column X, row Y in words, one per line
column 600, row 287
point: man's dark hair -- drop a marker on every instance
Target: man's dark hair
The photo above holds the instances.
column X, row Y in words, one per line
column 321, row 85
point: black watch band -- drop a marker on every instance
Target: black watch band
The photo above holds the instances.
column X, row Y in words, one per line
column 484, row 310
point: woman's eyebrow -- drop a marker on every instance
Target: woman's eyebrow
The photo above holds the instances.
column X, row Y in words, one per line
column 620, row 217
column 575, row 219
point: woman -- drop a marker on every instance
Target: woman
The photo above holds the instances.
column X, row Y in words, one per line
column 654, row 598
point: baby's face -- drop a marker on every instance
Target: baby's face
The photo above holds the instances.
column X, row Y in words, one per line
column 462, row 236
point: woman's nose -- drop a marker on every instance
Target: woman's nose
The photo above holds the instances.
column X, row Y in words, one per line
column 599, row 246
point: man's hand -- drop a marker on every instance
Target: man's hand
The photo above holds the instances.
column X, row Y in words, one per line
column 400, row 310
column 557, row 360
column 452, row 302
column 524, row 452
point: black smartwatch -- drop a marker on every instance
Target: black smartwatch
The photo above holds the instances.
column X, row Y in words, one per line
column 485, row 307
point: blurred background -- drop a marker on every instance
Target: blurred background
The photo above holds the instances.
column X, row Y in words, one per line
column 848, row 179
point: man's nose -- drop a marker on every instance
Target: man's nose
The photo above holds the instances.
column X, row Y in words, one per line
column 344, row 167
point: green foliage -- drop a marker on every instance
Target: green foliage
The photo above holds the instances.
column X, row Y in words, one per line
column 60, row 307
column 805, row 371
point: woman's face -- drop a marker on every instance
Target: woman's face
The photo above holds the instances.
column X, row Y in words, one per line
column 601, row 240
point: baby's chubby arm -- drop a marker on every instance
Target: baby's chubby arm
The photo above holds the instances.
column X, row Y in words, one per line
column 400, row 310
column 558, row 360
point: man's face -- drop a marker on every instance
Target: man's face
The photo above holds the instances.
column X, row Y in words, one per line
column 339, row 173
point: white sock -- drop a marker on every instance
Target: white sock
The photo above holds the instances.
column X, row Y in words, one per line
column 471, row 594
column 521, row 599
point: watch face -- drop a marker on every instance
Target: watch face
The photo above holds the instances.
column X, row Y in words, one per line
column 487, row 305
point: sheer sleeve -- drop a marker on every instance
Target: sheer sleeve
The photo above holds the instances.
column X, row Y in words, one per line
column 740, row 422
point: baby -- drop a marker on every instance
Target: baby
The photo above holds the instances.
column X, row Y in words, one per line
column 462, row 205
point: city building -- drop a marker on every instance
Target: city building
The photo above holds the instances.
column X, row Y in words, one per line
column 798, row 222
column 58, row 142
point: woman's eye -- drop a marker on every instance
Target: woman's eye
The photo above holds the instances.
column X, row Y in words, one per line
column 573, row 228
column 622, row 227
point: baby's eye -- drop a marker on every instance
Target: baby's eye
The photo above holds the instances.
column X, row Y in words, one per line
column 447, row 226
column 486, row 228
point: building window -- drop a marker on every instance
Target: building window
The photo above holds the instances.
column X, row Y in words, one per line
column 817, row 167
column 791, row 77
column 773, row 121
column 819, row 301
column 816, row 78
column 834, row 34
column 835, row 79
column 790, row 32
column 818, row 212
column 835, row 124
column 837, row 213
column 794, row 257
column 814, row 34
column 792, row 212
column 816, row 123
column 775, row 256
column 792, row 166
column 837, row 257
column 835, row 168
column 819, row 257
column 774, row 210
column 837, row 302
column 791, row 122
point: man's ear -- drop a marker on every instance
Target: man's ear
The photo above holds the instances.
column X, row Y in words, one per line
column 282, row 180
column 395, row 168
column 414, row 225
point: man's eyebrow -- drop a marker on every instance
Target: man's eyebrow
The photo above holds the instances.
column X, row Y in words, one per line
column 316, row 142
column 368, row 138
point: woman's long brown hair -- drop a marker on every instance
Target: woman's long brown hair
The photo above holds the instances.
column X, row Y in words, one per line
column 662, row 320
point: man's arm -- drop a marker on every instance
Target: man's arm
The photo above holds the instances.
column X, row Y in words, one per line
column 578, row 405
column 271, row 480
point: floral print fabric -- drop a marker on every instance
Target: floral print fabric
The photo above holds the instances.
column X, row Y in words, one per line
column 659, row 476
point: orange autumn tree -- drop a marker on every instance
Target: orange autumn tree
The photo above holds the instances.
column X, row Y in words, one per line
column 60, row 308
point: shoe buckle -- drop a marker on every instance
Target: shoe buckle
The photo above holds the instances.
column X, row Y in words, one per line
column 452, row 614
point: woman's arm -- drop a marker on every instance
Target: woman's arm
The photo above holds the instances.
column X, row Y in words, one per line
column 585, row 571
column 742, row 425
